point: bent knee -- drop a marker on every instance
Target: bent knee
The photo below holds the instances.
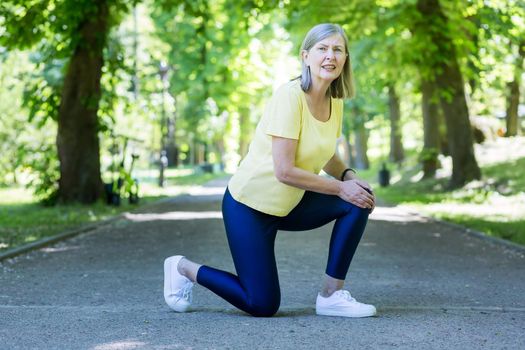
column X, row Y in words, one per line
column 267, row 308
column 352, row 209
column 362, row 215
column 364, row 212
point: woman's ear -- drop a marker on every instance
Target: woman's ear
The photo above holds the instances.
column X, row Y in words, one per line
column 304, row 55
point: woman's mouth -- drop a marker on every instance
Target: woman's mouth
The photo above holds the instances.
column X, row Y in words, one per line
column 328, row 67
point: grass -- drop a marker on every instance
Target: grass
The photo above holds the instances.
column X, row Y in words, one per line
column 22, row 220
column 494, row 205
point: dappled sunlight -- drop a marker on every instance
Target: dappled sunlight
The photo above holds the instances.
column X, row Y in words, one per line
column 500, row 150
column 120, row 345
column 58, row 249
column 172, row 191
column 152, row 174
column 153, row 190
column 379, row 214
column 395, row 214
column 207, row 191
column 174, row 215
column 417, row 177
column 16, row 195
column 497, row 211
column 395, row 178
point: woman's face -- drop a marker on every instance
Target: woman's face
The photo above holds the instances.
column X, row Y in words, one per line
column 326, row 58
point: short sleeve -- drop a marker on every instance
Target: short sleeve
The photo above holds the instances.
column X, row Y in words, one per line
column 284, row 113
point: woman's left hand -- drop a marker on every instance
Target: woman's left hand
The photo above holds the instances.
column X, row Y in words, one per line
column 368, row 188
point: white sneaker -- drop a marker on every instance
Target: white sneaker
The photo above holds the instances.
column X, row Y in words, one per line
column 177, row 288
column 341, row 303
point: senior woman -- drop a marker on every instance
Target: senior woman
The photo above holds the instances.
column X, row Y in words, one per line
column 278, row 187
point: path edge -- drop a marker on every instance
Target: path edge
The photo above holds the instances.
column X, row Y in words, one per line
column 26, row 248
column 467, row 230
column 41, row 243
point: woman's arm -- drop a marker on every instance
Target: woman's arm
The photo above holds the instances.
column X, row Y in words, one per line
column 335, row 168
column 283, row 151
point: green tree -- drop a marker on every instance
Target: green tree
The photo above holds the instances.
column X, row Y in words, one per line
column 76, row 32
column 441, row 60
column 208, row 51
column 20, row 141
column 501, row 30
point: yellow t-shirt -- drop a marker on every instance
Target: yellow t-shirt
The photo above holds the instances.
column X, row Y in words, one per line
column 286, row 115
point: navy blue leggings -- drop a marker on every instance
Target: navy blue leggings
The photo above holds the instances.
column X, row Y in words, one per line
column 251, row 236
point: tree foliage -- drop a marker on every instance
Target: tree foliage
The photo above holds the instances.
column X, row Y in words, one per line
column 212, row 51
column 61, row 31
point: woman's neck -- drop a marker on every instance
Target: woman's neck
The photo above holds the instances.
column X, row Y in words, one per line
column 318, row 91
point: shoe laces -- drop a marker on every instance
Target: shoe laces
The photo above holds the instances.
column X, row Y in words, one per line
column 186, row 291
column 345, row 295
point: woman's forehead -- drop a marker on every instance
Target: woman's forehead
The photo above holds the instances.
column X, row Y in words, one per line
column 332, row 40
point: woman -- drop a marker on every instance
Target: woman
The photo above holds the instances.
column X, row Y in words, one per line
column 278, row 187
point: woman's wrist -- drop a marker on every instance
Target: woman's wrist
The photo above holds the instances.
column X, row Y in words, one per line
column 340, row 187
column 348, row 174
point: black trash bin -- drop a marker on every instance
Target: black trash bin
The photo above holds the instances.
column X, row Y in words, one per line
column 384, row 176
column 113, row 192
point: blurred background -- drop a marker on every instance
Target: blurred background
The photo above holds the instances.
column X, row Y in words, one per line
column 108, row 104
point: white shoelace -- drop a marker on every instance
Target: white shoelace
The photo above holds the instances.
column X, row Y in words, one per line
column 186, row 291
column 346, row 295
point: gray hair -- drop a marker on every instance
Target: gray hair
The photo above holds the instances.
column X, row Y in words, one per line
column 343, row 86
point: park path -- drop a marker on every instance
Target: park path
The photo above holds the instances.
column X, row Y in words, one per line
column 435, row 286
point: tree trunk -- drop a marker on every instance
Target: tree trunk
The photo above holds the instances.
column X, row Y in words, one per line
column 350, row 159
column 459, row 130
column 361, row 148
column 443, row 142
column 397, row 153
column 513, row 98
column 172, row 151
column 77, row 138
column 192, row 151
column 473, row 57
column 361, row 141
column 14, row 171
column 431, row 137
column 219, row 146
column 452, row 95
column 343, row 149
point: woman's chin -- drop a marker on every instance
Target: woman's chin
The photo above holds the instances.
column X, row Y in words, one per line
column 326, row 77
column 329, row 77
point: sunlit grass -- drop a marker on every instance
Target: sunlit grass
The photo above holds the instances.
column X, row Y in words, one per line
column 22, row 220
column 494, row 205
column 15, row 195
column 27, row 222
column 507, row 229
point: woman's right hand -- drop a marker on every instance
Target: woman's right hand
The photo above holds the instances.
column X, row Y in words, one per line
column 352, row 192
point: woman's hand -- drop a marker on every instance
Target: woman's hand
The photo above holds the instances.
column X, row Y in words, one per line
column 359, row 193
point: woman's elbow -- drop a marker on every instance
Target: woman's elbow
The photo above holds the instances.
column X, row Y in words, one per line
column 283, row 175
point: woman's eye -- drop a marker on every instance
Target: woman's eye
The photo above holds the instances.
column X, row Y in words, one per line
column 322, row 49
column 338, row 50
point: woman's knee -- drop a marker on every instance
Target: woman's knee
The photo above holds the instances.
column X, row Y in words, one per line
column 363, row 212
column 264, row 308
column 354, row 210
